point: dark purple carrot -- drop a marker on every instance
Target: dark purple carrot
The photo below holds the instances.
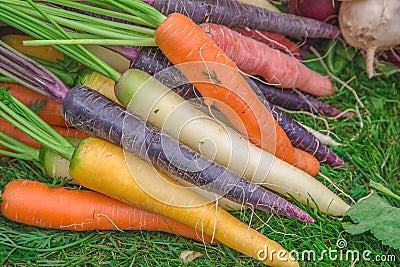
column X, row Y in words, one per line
column 97, row 115
column 300, row 136
column 153, row 61
column 234, row 14
column 294, row 100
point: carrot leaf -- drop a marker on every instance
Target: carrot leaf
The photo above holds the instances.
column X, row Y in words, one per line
column 37, row 105
column 376, row 215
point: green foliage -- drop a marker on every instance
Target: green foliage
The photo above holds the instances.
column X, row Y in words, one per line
column 375, row 215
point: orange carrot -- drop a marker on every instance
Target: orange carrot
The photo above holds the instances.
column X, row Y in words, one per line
column 256, row 58
column 34, row 203
column 50, row 112
column 17, row 134
column 274, row 40
column 182, row 41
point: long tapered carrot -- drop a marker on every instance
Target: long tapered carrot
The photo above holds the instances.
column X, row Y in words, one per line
column 257, row 58
column 34, row 203
column 49, row 110
column 17, row 134
column 182, row 41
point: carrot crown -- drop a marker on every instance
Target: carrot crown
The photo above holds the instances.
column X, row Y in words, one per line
column 28, row 122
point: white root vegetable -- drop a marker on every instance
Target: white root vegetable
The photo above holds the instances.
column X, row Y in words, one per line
column 370, row 25
column 168, row 111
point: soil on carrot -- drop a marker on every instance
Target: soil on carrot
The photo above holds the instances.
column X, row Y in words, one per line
column 369, row 147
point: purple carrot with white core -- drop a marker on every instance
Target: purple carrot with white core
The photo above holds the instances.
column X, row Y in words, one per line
column 153, row 61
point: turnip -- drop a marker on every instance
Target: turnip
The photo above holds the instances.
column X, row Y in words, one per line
column 370, row 25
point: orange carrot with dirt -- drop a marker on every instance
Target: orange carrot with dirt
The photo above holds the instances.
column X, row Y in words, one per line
column 48, row 110
column 276, row 67
column 226, row 88
column 34, row 203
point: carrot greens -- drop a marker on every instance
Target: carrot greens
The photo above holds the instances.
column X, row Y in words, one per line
column 28, row 122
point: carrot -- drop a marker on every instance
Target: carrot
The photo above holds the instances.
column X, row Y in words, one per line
column 232, row 14
column 274, row 40
column 43, row 52
column 48, row 110
column 10, row 130
column 256, row 58
column 230, row 91
column 33, row 203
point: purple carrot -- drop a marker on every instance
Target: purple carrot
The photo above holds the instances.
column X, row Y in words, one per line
column 94, row 113
column 130, row 52
column 234, row 14
column 293, row 100
column 153, row 61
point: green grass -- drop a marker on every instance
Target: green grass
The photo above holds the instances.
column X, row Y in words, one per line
column 371, row 153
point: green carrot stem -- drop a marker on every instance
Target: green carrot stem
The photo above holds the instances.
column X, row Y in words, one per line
column 17, row 155
column 91, row 23
column 38, row 121
column 5, row 79
column 122, row 42
column 29, row 123
column 103, row 11
column 15, row 145
column 138, row 8
column 380, row 187
column 40, row 30
column 33, row 131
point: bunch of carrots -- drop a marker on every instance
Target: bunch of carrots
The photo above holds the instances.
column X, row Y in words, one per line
column 109, row 128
